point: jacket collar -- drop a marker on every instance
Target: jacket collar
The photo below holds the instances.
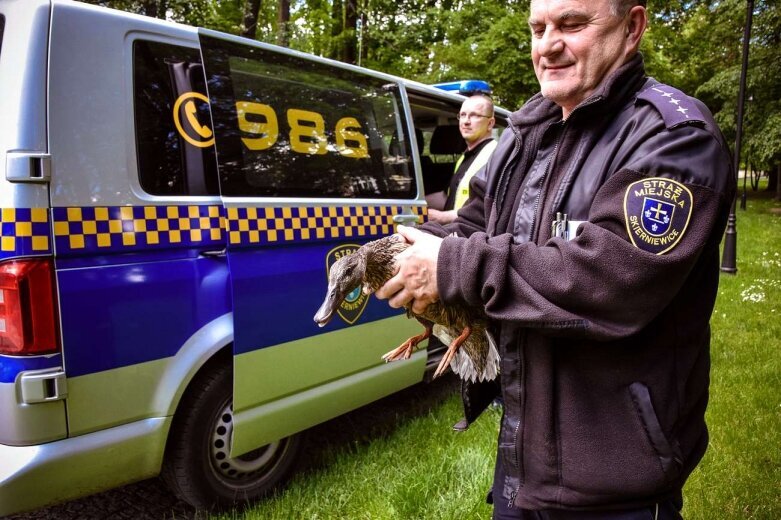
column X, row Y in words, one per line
column 614, row 91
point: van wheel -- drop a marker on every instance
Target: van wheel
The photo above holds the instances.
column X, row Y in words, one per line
column 197, row 465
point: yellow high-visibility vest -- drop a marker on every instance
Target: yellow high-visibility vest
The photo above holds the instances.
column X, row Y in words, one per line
column 462, row 192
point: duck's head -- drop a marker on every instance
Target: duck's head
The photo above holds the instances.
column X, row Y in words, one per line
column 345, row 275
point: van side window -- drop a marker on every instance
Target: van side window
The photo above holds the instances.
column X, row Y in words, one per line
column 175, row 150
column 293, row 127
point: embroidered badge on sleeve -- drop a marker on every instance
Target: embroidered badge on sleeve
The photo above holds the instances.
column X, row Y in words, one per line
column 657, row 213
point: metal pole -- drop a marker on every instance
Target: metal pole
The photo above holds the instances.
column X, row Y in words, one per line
column 743, row 195
column 728, row 259
column 749, row 170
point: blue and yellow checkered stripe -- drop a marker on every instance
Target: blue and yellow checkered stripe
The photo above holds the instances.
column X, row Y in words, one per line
column 88, row 230
column 24, row 231
column 272, row 225
column 127, row 228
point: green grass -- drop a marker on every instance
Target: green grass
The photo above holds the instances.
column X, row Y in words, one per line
column 740, row 476
column 399, row 459
column 395, row 459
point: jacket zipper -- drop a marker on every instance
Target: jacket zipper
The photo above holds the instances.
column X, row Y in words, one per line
column 521, row 408
column 548, row 166
column 518, row 461
column 500, row 185
column 552, row 158
column 532, row 142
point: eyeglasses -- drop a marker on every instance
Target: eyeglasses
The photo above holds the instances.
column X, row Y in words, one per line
column 472, row 116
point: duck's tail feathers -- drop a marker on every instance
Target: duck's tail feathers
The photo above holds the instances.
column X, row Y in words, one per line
column 462, row 364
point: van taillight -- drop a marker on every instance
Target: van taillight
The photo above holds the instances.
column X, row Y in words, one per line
column 28, row 322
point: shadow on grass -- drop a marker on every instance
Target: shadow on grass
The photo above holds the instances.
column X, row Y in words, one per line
column 374, row 421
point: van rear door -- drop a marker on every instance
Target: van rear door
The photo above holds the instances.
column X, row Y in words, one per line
column 314, row 160
column 32, row 381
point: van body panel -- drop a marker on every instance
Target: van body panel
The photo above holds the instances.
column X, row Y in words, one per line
column 23, row 71
column 301, row 410
column 143, row 390
column 317, row 360
column 334, row 133
column 25, row 424
column 91, row 142
column 35, row 476
column 291, row 280
column 24, row 215
column 108, row 312
column 276, row 291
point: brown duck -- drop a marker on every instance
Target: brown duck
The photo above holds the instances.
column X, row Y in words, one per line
column 471, row 351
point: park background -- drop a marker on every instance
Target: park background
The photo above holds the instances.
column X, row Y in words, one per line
column 693, row 45
column 398, row 458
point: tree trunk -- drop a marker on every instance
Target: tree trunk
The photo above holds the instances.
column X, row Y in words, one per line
column 337, row 26
column 777, row 181
column 350, row 41
column 772, row 178
column 283, row 23
column 150, row 8
column 250, row 23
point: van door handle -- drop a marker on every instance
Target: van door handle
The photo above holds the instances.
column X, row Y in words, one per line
column 219, row 253
column 28, row 166
column 406, row 219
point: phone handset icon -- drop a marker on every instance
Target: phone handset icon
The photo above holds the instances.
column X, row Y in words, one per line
column 191, row 112
column 204, row 136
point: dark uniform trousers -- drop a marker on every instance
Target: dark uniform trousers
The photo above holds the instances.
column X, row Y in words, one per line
column 667, row 510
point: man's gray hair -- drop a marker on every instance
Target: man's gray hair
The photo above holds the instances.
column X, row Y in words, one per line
column 621, row 7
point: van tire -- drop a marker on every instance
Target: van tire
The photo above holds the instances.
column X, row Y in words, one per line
column 197, row 466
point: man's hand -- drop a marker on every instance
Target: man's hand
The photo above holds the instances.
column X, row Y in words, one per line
column 416, row 279
column 442, row 217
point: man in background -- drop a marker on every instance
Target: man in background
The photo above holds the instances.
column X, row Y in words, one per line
column 475, row 122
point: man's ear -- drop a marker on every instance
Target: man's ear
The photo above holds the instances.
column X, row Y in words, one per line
column 637, row 21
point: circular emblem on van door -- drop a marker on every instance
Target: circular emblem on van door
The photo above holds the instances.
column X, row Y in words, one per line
column 354, row 304
column 190, row 126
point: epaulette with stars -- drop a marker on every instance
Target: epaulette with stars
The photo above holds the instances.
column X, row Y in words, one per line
column 674, row 106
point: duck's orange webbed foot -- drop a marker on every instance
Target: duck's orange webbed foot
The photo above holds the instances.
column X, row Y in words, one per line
column 451, row 351
column 404, row 351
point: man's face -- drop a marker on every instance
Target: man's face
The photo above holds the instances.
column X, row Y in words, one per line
column 575, row 45
column 478, row 122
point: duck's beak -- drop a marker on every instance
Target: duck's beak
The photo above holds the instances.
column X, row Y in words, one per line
column 327, row 309
column 323, row 316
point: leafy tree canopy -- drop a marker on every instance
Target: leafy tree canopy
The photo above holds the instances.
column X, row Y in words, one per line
column 694, row 45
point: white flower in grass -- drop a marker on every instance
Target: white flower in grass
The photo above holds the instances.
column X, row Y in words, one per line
column 753, row 294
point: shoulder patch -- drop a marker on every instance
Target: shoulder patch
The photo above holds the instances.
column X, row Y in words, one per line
column 657, row 213
column 674, row 106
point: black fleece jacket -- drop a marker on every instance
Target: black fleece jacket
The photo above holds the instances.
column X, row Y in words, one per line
column 604, row 337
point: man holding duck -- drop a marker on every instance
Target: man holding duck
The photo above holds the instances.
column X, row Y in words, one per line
column 598, row 285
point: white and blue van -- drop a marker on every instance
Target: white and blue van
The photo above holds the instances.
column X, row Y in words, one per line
column 170, row 201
